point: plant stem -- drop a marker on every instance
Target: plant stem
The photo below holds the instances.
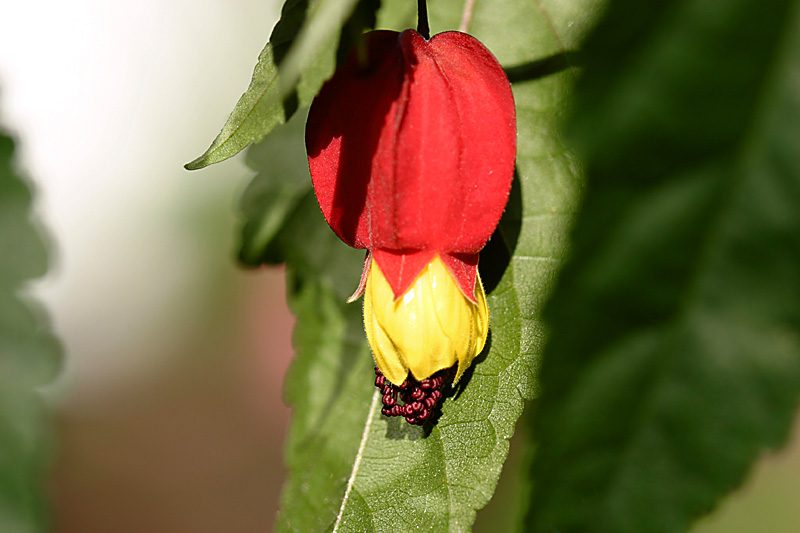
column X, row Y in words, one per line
column 422, row 19
column 466, row 16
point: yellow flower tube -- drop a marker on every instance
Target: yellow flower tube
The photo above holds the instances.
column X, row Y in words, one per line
column 432, row 326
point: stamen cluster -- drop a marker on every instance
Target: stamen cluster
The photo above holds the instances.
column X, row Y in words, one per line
column 420, row 399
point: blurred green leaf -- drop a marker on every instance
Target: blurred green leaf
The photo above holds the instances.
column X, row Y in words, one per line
column 350, row 468
column 674, row 355
column 272, row 196
column 29, row 357
column 298, row 58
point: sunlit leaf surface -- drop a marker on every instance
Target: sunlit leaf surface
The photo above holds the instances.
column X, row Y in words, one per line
column 298, row 58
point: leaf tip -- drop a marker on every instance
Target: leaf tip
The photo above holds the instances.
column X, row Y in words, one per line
column 197, row 164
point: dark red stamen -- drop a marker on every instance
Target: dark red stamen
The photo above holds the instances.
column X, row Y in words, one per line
column 415, row 400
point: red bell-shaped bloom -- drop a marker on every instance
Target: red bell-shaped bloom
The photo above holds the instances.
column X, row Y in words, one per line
column 411, row 147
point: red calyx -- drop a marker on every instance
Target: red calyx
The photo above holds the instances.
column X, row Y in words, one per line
column 412, row 152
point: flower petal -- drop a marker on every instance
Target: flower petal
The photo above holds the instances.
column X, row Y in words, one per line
column 413, row 150
column 431, row 327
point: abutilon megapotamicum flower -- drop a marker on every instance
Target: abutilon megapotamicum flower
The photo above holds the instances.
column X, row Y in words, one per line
column 411, row 146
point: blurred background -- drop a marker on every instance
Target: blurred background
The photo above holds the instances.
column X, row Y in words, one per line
column 169, row 413
column 169, row 408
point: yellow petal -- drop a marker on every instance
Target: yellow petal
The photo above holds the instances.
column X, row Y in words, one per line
column 432, row 326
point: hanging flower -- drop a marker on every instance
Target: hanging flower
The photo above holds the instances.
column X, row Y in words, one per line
column 411, row 146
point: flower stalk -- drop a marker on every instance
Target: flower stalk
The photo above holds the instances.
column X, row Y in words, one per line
column 423, row 28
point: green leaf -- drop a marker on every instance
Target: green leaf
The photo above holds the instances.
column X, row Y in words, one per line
column 272, row 196
column 298, row 58
column 674, row 355
column 29, row 357
column 350, row 468
column 331, row 373
column 325, row 20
